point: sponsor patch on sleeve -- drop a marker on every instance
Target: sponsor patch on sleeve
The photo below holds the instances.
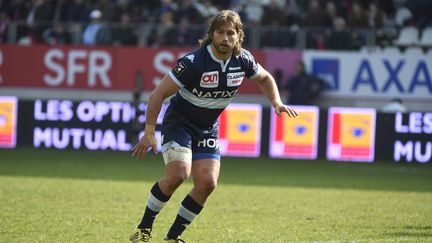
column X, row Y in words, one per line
column 179, row 68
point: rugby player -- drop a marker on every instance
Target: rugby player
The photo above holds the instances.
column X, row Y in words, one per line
column 204, row 83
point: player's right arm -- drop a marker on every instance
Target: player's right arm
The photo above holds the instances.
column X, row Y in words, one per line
column 166, row 89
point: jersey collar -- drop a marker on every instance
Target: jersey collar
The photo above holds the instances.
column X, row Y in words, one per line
column 220, row 61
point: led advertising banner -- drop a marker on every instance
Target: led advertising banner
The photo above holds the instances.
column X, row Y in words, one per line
column 93, row 68
column 91, row 125
column 351, row 134
column 295, row 138
column 412, row 139
column 240, row 130
column 371, row 76
column 8, row 121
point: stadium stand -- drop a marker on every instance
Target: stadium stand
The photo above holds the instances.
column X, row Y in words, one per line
column 309, row 24
column 429, row 52
column 370, row 49
column 426, row 37
column 413, row 50
column 408, row 36
column 391, row 50
column 403, row 14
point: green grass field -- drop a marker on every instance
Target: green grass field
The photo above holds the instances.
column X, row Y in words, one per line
column 71, row 196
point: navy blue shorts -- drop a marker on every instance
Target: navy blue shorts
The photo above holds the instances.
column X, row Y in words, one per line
column 177, row 129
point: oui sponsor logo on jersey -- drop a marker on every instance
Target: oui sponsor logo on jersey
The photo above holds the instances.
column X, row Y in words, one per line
column 210, row 79
column 235, row 79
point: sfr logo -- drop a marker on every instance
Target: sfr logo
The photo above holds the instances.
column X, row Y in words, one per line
column 210, row 79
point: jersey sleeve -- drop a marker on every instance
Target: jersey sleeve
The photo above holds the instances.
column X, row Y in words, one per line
column 182, row 73
column 251, row 65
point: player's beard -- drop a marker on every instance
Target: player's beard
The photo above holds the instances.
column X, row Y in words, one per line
column 223, row 48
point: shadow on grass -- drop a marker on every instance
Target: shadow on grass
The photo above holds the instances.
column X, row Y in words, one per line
column 411, row 232
column 263, row 171
column 426, row 227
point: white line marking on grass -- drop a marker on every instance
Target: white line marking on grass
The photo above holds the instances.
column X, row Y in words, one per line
column 398, row 239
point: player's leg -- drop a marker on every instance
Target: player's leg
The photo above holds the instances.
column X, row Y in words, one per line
column 205, row 173
column 175, row 173
column 177, row 170
column 178, row 158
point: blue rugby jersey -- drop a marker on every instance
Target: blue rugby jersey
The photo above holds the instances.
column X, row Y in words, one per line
column 209, row 84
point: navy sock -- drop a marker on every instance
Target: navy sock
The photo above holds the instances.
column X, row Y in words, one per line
column 155, row 203
column 188, row 210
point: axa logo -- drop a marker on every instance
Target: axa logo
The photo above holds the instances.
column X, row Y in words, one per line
column 210, row 79
column 327, row 69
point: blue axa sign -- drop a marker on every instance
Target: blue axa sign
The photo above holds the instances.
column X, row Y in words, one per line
column 420, row 78
column 327, row 69
column 375, row 75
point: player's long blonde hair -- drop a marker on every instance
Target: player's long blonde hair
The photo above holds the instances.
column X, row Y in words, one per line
column 222, row 18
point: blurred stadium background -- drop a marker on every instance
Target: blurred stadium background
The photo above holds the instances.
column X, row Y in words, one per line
column 75, row 76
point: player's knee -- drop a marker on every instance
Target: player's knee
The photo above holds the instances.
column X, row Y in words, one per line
column 178, row 173
column 207, row 184
column 181, row 154
column 177, row 179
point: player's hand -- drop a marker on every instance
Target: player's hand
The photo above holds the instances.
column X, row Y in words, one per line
column 147, row 142
column 280, row 108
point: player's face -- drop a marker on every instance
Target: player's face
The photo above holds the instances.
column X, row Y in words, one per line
column 224, row 39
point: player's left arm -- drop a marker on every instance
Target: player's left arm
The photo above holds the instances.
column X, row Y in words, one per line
column 267, row 84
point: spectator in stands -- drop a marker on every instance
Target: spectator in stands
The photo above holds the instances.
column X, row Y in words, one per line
column 278, row 74
column 254, row 12
column 273, row 34
column 122, row 7
column 273, row 14
column 56, row 35
column 421, row 10
column 107, row 8
column 18, row 10
column 314, row 16
column 78, row 11
column 340, row 37
column 167, row 6
column 27, row 36
column 308, row 14
column 222, row 4
column 187, row 10
column 376, row 16
column 206, row 9
column 60, row 9
column 292, row 13
column 96, row 33
column 164, row 33
column 302, row 88
column 388, row 7
column 185, row 35
column 147, row 4
column 331, row 13
column 4, row 22
column 395, row 105
column 41, row 12
column 238, row 6
column 124, row 33
column 357, row 18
